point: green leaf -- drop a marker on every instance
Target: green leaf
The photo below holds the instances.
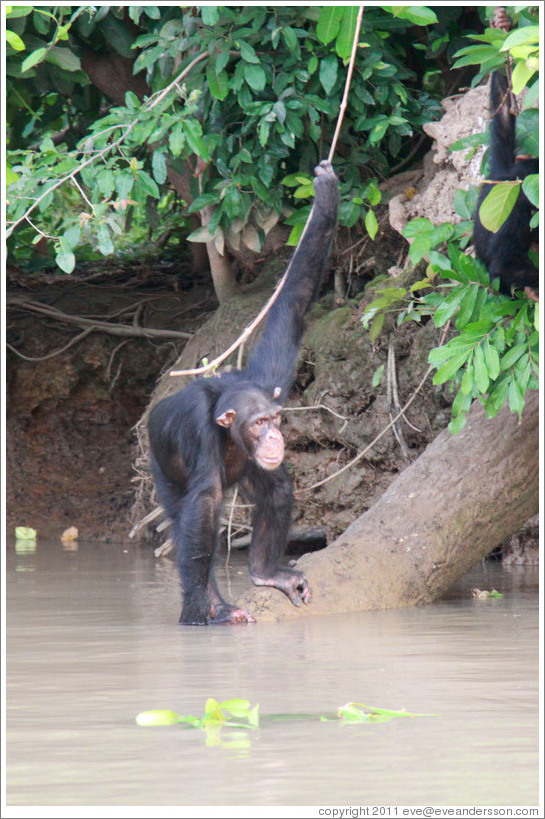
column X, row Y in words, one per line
column 512, row 355
column 450, row 368
column 526, row 34
column 71, row 237
column 461, row 403
column 345, row 38
column 238, row 708
column 106, row 182
column 210, row 15
column 467, row 306
column 147, row 57
column 446, row 310
column 329, row 67
column 439, row 262
column 522, row 73
column 66, row 261
column 14, row 41
column 104, row 240
column 11, row 176
column 439, row 354
column 247, row 52
column 420, row 15
column 212, row 710
column 530, row 186
column 218, row 84
column 329, row 23
column 193, row 134
column 203, row 201
column 290, row 38
column 417, row 226
column 25, row 533
column 468, row 381
column 475, row 55
column 497, row 397
column 123, row 184
column 148, row 184
column 255, row 76
column 18, row 11
column 376, row 326
column 159, row 717
column 419, row 247
column 253, row 716
column 492, row 359
column 176, row 139
column 202, row 234
column 498, row 204
column 457, row 424
column 377, row 376
column 159, row 167
column 516, row 398
column 33, row 59
column 371, row 224
column 481, row 373
column 63, row 58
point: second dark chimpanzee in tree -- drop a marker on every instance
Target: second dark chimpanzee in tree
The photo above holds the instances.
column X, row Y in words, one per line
column 217, row 432
column 505, row 253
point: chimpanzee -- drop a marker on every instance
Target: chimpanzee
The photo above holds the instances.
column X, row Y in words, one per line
column 505, row 253
column 217, row 432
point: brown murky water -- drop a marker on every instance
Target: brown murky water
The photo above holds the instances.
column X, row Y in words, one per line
column 93, row 640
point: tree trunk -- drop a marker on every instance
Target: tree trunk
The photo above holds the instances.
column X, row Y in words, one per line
column 444, row 513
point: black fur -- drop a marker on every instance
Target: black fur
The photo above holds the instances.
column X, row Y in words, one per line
column 505, row 253
column 194, row 458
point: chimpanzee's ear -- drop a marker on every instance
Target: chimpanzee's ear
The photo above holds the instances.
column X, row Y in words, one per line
column 277, row 392
column 226, row 418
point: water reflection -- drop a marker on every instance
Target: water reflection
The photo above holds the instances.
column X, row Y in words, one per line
column 93, row 640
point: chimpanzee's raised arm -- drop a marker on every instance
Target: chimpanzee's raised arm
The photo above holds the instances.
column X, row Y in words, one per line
column 272, row 361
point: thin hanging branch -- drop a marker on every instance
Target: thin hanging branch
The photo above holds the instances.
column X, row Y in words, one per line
column 347, row 83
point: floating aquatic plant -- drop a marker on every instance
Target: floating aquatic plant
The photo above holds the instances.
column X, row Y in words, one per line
column 238, row 713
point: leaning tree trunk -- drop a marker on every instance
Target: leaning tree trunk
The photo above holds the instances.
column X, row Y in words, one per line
column 445, row 512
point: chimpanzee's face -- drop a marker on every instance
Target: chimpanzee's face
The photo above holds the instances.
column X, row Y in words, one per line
column 254, row 424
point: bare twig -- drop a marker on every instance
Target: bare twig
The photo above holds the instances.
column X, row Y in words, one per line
column 392, row 400
column 316, row 407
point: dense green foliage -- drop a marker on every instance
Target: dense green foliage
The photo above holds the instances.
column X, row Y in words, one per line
column 242, row 102
column 267, row 81
column 494, row 354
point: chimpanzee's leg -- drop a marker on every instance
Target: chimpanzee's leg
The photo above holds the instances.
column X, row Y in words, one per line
column 194, row 520
column 272, row 494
